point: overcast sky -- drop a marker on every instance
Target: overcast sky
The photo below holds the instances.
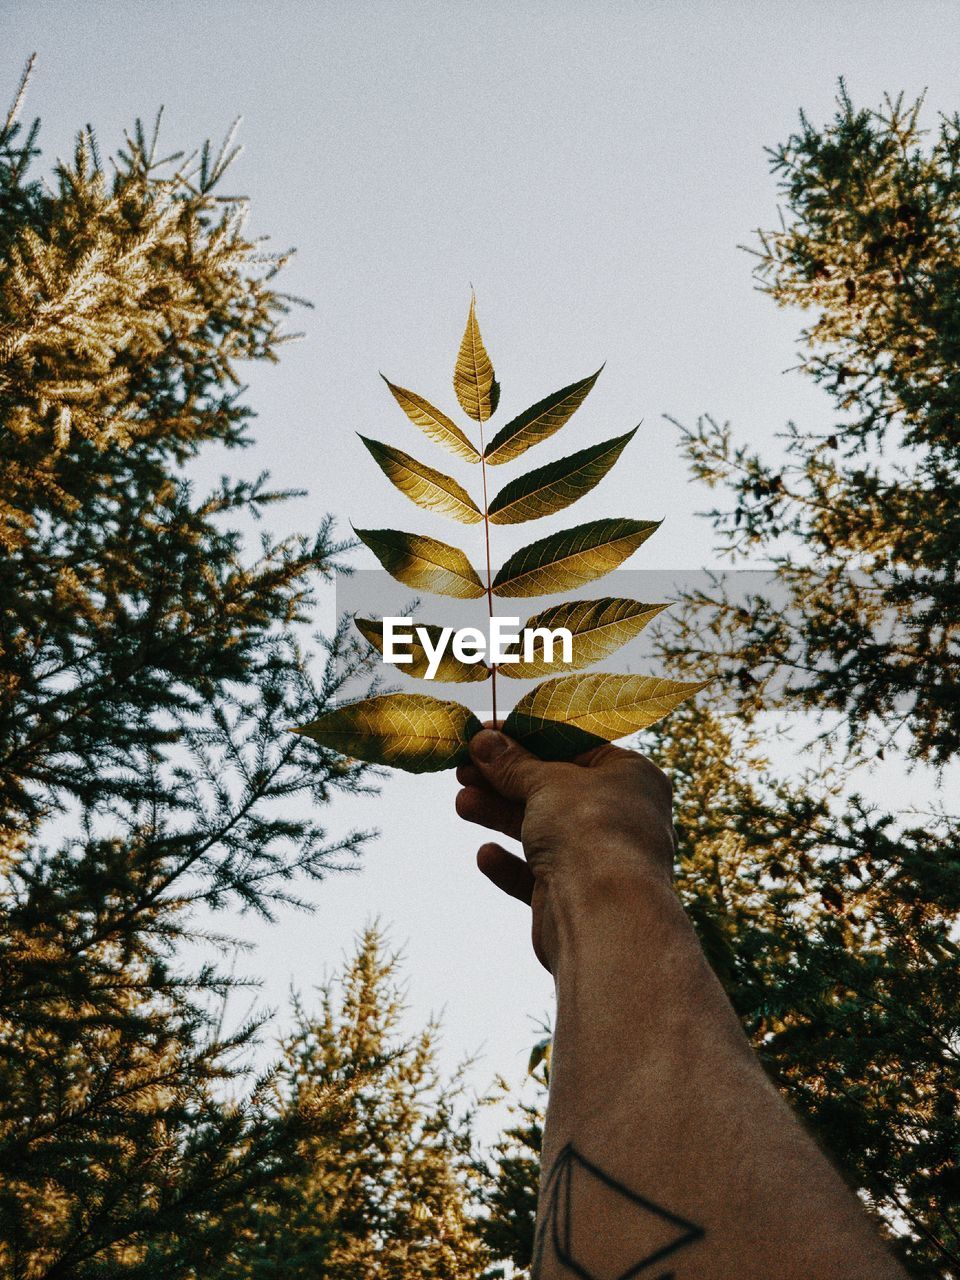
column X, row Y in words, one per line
column 590, row 167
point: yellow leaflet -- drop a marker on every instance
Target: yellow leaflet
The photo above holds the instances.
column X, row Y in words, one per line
column 449, row 667
column 426, row 563
column 572, row 557
column 598, row 627
column 539, row 422
column 551, row 488
column 563, row 717
column 428, row 488
column 404, row 730
column 473, row 378
column 433, row 423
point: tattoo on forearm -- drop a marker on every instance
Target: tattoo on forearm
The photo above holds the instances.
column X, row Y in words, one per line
column 645, row 1233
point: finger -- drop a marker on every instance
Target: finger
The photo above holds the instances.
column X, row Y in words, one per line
column 507, row 871
column 488, row 809
column 468, row 775
column 593, row 755
column 505, row 765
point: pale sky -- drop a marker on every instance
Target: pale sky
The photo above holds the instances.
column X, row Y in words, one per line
column 590, row 167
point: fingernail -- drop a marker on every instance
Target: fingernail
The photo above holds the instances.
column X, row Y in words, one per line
column 488, row 745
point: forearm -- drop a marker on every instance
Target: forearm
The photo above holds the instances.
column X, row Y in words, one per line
column 663, row 1135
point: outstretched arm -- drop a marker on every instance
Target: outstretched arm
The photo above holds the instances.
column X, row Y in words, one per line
column 667, row 1152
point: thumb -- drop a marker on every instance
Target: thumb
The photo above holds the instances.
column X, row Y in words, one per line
column 509, row 769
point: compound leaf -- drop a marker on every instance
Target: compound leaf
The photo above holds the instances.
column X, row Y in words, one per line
column 473, row 378
column 433, row 423
column 428, row 488
column 404, row 730
column 551, row 488
column 422, row 562
column 572, row 557
column 598, row 628
column 560, row 718
column 450, row 668
column 539, row 421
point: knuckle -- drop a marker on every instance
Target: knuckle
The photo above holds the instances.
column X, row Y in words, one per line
column 655, row 780
column 593, row 809
column 510, row 767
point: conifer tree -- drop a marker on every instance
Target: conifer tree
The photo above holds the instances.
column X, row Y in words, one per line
column 830, row 919
column 833, row 916
column 870, row 245
column 150, row 662
column 509, row 1180
column 382, row 1183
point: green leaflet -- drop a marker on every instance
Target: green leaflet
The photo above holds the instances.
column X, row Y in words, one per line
column 560, row 718
column 449, row 669
column 433, row 423
column 429, row 489
column 426, row 563
column 539, row 421
column 551, row 488
column 404, row 730
column 572, row 557
column 473, row 378
column 598, row 627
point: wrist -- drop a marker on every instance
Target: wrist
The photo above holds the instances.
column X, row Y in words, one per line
column 612, row 913
column 626, row 961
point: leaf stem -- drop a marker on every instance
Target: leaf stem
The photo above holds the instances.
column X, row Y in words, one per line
column 486, row 536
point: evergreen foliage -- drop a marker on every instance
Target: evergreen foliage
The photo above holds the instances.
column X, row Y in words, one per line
column 871, row 245
column 381, row 1184
column 510, row 1181
column 831, row 917
column 150, row 663
column 149, row 666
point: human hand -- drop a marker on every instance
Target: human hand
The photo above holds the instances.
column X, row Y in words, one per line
column 591, row 828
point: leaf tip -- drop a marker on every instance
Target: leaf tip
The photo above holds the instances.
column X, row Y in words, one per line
column 694, row 686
